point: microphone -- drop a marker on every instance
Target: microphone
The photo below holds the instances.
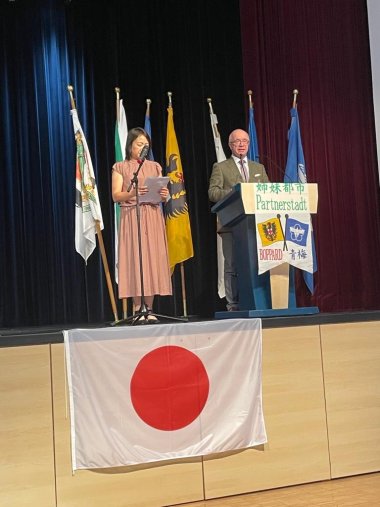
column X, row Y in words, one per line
column 144, row 153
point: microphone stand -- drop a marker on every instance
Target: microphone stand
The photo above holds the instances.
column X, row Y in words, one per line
column 141, row 317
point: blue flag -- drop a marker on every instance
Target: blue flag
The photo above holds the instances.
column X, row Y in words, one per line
column 253, row 152
column 148, row 130
column 295, row 172
column 296, row 231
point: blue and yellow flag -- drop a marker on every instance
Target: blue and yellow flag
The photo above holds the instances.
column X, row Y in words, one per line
column 178, row 229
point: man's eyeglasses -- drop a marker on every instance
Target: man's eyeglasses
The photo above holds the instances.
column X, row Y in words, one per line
column 240, row 141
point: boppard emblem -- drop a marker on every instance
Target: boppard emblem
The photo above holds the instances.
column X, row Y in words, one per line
column 270, row 231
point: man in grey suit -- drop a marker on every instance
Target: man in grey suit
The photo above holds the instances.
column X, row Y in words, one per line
column 236, row 169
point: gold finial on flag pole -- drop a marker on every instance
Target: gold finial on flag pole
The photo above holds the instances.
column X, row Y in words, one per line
column 210, row 105
column 148, row 103
column 295, row 93
column 70, row 89
column 170, row 99
column 214, row 124
column 250, row 98
column 117, row 91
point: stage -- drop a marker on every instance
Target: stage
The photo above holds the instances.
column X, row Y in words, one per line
column 12, row 337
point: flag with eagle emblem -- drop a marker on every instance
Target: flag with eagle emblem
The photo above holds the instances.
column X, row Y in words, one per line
column 270, row 231
column 180, row 243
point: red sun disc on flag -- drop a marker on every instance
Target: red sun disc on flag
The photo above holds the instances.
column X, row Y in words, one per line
column 169, row 388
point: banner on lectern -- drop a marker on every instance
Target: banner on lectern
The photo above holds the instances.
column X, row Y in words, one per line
column 283, row 226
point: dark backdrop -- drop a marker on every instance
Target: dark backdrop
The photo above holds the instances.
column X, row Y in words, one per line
column 194, row 50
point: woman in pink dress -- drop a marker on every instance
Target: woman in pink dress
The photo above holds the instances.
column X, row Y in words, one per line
column 154, row 248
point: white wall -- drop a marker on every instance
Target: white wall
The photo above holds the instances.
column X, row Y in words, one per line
column 374, row 40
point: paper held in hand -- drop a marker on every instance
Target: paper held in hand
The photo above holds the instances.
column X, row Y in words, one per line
column 154, row 186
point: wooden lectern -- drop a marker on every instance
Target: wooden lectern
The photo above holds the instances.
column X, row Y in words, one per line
column 269, row 294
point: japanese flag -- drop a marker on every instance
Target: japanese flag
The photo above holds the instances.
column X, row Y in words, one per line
column 151, row 393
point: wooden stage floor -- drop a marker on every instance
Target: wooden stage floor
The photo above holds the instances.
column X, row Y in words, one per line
column 358, row 491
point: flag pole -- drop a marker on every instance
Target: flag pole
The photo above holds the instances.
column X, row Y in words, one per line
column 100, row 238
column 148, row 103
column 250, row 99
column 170, row 99
column 72, row 101
column 106, row 271
column 117, row 91
column 214, row 126
column 182, row 269
column 220, row 156
column 184, row 301
column 295, row 93
column 209, row 101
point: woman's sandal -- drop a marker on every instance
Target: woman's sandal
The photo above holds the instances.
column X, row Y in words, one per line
column 151, row 318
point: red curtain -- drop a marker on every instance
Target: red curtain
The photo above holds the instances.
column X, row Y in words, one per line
column 321, row 48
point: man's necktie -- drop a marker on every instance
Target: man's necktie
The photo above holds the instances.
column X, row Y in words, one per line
column 244, row 171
